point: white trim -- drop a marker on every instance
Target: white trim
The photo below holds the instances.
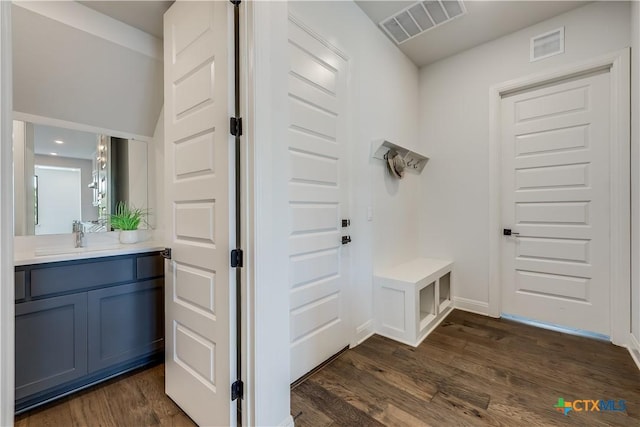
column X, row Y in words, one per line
column 472, row 306
column 287, row 422
column 7, row 276
column 363, row 333
column 634, row 349
column 90, row 21
column 618, row 62
column 247, row 303
column 41, row 120
column 268, row 359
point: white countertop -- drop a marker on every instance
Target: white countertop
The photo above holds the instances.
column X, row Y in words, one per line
column 42, row 249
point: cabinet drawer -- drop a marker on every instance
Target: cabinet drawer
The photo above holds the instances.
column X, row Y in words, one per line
column 77, row 276
column 149, row 266
column 20, row 285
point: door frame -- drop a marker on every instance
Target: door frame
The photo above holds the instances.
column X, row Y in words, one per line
column 7, row 305
column 618, row 63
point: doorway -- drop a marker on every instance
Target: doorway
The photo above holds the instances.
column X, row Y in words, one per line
column 56, row 210
column 560, row 198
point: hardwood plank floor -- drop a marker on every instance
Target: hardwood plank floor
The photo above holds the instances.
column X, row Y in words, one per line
column 136, row 399
column 471, row 371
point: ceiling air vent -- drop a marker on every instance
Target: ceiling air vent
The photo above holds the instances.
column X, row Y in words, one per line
column 547, row 44
column 421, row 17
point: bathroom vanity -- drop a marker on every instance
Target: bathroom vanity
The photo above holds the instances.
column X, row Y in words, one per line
column 84, row 318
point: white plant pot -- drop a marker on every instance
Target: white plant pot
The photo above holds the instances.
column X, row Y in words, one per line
column 129, row 236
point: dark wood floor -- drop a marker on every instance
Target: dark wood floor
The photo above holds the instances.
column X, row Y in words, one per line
column 133, row 400
column 472, row 370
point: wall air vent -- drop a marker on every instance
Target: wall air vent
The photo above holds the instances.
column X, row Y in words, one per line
column 547, row 44
column 420, row 17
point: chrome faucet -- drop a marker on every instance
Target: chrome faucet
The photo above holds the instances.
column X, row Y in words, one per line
column 78, row 233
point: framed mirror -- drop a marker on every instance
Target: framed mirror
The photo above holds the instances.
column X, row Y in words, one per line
column 63, row 175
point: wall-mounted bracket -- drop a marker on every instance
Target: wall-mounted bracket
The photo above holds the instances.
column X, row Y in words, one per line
column 415, row 161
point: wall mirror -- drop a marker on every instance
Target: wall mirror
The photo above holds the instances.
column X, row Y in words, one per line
column 64, row 175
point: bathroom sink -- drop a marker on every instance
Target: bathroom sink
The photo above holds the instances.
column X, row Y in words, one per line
column 68, row 250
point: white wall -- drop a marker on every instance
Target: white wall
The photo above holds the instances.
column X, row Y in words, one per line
column 384, row 104
column 454, row 128
column 64, row 73
column 267, row 272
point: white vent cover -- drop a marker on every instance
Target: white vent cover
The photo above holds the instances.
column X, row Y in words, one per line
column 547, row 44
column 421, row 17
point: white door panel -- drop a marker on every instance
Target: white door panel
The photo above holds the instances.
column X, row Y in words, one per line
column 317, row 200
column 555, row 193
column 198, row 326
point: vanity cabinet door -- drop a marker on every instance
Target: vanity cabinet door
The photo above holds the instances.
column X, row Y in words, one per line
column 51, row 343
column 125, row 322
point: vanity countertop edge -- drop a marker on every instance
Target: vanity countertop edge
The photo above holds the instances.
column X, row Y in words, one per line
column 30, row 257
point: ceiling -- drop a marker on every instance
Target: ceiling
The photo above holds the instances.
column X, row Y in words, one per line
column 77, row 144
column 483, row 22
column 143, row 15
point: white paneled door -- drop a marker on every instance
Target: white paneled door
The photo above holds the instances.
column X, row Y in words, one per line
column 317, row 197
column 198, row 363
column 556, row 195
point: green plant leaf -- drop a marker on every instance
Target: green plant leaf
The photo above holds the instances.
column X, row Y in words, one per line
column 127, row 217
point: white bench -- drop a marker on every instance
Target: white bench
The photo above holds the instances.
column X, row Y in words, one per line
column 411, row 299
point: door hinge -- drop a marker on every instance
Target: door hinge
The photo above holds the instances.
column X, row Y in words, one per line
column 166, row 253
column 236, row 258
column 237, row 390
column 346, row 239
column 235, row 126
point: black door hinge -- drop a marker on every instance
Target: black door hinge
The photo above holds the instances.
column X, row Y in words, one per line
column 346, row 239
column 237, row 390
column 166, row 253
column 236, row 258
column 235, row 126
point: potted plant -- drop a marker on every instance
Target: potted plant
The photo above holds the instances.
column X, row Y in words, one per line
column 127, row 219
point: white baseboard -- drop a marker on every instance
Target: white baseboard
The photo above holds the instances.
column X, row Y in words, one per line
column 470, row 305
column 363, row 332
column 288, row 422
column 634, row 349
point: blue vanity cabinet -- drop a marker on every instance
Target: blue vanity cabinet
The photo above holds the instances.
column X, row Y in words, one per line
column 83, row 321
column 125, row 322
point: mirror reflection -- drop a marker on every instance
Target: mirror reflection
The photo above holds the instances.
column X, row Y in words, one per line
column 65, row 175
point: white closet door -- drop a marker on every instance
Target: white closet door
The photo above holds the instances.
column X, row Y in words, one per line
column 556, row 194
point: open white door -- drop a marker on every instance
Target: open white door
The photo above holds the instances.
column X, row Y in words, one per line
column 198, row 362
